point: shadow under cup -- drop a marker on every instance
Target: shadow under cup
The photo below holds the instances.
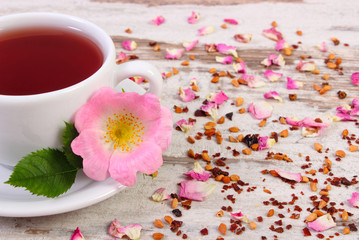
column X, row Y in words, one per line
column 39, row 95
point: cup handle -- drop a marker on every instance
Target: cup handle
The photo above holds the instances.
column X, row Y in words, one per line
column 138, row 68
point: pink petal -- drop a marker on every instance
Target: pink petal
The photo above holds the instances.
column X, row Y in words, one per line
column 186, row 95
column 174, row 53
column 137, row 79
column 231, row 21
column 293, row 121
column 253, row 81
column 160, row 195
column 273, row 95
column 225, row 49
column 219, row 98
column 290, row 176
column 224, row 60
column 198, row 173
column 281, row 44
column 205, row 31
column 355, row 78
column 243, row 38
column 354, row 201
column 122, row 57
column 132, row 231
column 273, row 60
column 306, row 66
column 189, row 45
column 322, row 47
column 193, row 18
column 211, row 48
column 240, row 216
column 260, row 110
column 158, row 20
column 184, row 125
column 147, row 159
column 196, row 190
column 239, row 67
column 343, row 117
column 322, row 223
column 272, row 34
column 211, row 109
column 272, row 76
column 293, row 84
column 113, row 229
column 265, row 143
column 129, row 45
column 77, row 235
column 355, row 101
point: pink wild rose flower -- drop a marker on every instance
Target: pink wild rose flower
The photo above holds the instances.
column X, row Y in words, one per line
column 120, row 134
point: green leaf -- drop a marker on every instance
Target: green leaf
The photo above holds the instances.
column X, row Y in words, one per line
column 70, row 134
column 45, row 172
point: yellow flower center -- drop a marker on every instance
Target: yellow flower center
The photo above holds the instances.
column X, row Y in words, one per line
column 124, row 131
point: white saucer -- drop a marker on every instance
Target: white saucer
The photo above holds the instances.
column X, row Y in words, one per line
column 17, row 202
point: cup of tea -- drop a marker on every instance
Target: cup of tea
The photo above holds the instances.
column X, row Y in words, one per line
column 50, row 65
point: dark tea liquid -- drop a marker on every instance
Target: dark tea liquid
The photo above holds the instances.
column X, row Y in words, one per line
column 40, row 60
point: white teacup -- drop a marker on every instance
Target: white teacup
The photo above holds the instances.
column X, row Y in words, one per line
column 32, row 122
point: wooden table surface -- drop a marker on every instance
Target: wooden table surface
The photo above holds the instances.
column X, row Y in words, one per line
column 319, row 21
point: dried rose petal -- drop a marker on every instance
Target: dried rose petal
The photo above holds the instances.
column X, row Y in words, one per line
column 243, row 37
column 239, row 67
column 293, row 84
column 231, row 21
column 77, row 235
column 211, row 109
column 211, row 48
column 225, row 49
column 113, row 229
column 184, row 125
column 260, row 110
column 289, row 175
column 273, row 95
column 189, row 45
column 322, row 223
column 355, row 78
column 217, row 98
column 354, row 201
column 272, row 76
column 253, row 81
column 281, row 44
column 158, row 20
column 224, row 60
column 174, row 53
column 137, row 79
column 265, row 143
column 272, row 34
column 132, row 231
column 186, row 95
column 240, row 216
column 322, row 47
column 205, row 31
column 160, row 195
column 306, row 66
column 273, row 60
column 122, row 57
column 311, row 128
column 198, row 173
column 193, row 18
column 196, row 190
column 129, row 45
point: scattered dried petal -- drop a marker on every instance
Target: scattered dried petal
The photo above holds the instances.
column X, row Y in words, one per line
column 272, row 76
column 273, row 95
column 290, row 176
column 355, row 78
column 129, row 45
column 224, row 60
column 225, row 49
column 306, row 66
column 205, row 31
column 196, row 190
column 322, row 223
column 160, row 195
column 273, row 60
column 253, row 81
column 189, row 45
column 354, row 201
column 239, row 67
column 77, row 235
column 240, row 216
column 158, row 20
column 231, row 21
column 174, row 53
column 193, row 18
column 322, row 47
column 184, row 125
column 198, row 173
column 272, row 34
column 243, row 38
column 260, row 110
column 293, row 84
column 186, row 95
